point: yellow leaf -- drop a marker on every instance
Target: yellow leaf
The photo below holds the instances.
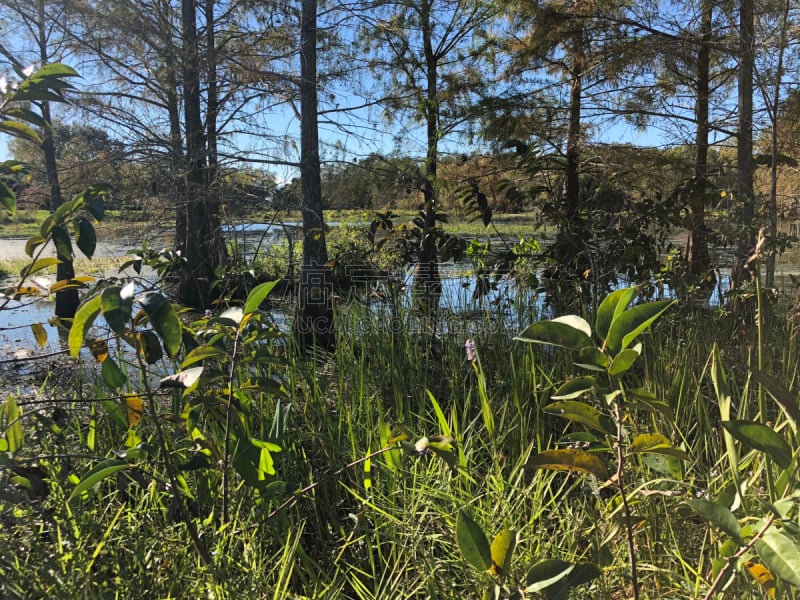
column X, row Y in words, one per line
column 762, row 575
column 40, row 333
column 135, row 407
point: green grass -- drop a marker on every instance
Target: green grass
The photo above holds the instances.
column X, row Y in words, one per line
column 386, row 531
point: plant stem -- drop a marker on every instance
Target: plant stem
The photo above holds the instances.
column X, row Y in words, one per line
column 173, row 479
column 227, row 437
column 626, row 509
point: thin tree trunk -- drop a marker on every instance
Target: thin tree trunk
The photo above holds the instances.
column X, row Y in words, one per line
column 313, row 325
column 67, row 301
column 773, row 190
column 697, row 252
column 744, row 154
column 427, row 287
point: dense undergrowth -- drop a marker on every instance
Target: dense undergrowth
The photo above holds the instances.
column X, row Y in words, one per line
column 122, row 487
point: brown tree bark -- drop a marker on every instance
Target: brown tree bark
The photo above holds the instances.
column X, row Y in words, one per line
column 313, row 324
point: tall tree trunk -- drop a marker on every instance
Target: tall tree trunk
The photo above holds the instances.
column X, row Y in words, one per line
column 744, row 153
column 427, row 286
column 313, row 325
column 202, row 250
column 776, row 98
column 67, row 301
column 572, row 170
column 697, row 252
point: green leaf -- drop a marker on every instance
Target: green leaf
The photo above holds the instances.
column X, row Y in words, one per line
column 630, row 324
column 546, row 573
column 117, row 305
column 781, row 555
column 33, row 242
column 555, row 333
column 85, row 236
column 38, row 265
column 624, row 361
column 502, row 551
column 576, row 387
column 472, row 542
column 112, row 375
column 718, row 515
column 256, row 297
column 569, row 459
column 582, row 413
column 62, row 242
column 612, row 306
column 12, row 417
column 52, row 72
column 105, row 469
column 592, row 358
column 7, row 198
column 658, row 444
column 84, row 317
column 149, row 347
column 20, row 130
column 761, row 438
column 203, row 353
column 164, row 320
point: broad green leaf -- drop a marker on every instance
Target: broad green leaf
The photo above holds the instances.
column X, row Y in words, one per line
column 7, row 198
column 84, row 317
column 12, row 417
column 40, row 333
column 148, row 346
column 631, row 323
column 38, row 265
column 642, row 399
column 582, row 413
column 718, row 515
column 62, row 242
column 117, row 306
column 112, row 375
column 164, row 320
column 68, row 284
column 781, row 555
column 658, row 444
column 546, row 573
column 612, row 306
column 85, row 236
column 555, row 333
column 257, row 295
column 569, row 459
column 502, row 550
column 20, row 130
column 592, row 358
column 624, row 361
column 203, row 353
column 50, row 73
column 33, row 242
column 761, row 438
column 105, row 469
column 576, row 322
column 472, row 542
column 576, row 387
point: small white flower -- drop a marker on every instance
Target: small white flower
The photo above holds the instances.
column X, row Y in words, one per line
column 3, row 84
column 28, row 71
